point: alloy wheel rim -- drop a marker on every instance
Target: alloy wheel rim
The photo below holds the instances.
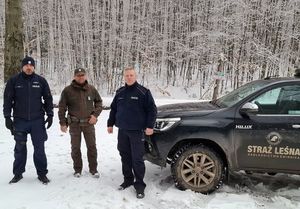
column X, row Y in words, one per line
column 198, row 170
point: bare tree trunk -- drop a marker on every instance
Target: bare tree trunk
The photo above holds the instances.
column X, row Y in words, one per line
column 218, row 80
column 14, row 51
column 170, row 38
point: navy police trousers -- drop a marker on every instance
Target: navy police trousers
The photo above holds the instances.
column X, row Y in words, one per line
column 131, row 148
column 36, row 129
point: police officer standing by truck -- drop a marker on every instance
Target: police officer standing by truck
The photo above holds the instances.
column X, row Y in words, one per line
column 83, row 104
column 133, row 111
column 29, row 96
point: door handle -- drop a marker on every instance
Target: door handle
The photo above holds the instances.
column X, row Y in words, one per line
column 296, row 126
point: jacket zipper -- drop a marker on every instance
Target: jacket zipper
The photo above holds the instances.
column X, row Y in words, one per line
column 82, row 104
column 29, row 95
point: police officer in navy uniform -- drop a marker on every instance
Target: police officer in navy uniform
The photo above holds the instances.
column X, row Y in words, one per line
column 29, row 96
column 133, row 111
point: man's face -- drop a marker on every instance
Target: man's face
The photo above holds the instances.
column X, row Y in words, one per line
column 130, row 77
column 28, row 69
column 80, row 78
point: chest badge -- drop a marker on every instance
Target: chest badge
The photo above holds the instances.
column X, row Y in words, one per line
column 134, row 98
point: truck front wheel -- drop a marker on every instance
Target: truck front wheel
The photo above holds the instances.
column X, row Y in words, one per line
column 197, row 168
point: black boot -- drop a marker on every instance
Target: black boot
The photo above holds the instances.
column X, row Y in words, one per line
column 140, row 194
column 16, row 178
column 124, row 185
column 44, row 179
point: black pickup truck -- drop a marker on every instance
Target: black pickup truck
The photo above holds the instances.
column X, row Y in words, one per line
column 254, row 128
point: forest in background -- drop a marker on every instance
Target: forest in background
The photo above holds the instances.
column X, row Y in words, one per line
column 172, row 43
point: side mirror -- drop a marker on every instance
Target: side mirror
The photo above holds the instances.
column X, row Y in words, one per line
column 248, row 109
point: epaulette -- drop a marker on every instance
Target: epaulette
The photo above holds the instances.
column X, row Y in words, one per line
column 120, row 89
column 142, row 89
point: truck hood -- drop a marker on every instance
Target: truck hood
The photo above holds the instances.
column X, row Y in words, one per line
column 186, row 109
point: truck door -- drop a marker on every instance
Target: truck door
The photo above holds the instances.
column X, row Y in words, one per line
column 270, row 139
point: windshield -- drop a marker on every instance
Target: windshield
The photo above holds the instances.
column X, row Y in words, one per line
column 238, row 94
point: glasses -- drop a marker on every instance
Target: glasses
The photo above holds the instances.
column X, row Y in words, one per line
column 80, row 75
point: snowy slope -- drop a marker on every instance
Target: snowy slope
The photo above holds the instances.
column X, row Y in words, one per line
column 64, row 191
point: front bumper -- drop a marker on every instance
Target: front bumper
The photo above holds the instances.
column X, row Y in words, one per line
column 151, row 152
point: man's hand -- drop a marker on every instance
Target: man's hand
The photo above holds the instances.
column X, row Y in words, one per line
column 64, row 128
column 9, row 123
column 110, row 130
column 149, row 131
column 49, row 120
column 93, row 120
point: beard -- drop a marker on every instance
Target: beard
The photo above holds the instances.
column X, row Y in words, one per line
column 28, row 71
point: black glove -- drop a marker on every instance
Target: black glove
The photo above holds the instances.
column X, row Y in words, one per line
column 9, row 124
column 49, row 120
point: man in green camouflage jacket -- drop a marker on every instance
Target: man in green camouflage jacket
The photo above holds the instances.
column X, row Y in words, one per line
column 83, row 104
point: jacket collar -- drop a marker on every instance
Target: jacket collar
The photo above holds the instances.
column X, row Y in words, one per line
column 24, row 75
column 83, row 86
column 132, row 86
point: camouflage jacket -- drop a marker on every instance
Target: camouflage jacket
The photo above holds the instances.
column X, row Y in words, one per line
column 80, row 101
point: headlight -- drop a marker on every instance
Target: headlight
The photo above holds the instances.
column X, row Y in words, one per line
column 163, row 124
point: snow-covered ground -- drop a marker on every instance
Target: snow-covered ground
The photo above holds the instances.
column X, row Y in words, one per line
column 64, row 191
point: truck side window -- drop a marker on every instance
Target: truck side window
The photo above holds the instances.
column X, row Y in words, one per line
column 269, row 97
column 267, row 102
column 289, row 100
column 283, row 100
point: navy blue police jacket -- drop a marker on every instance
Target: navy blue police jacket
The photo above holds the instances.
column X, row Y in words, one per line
column 28, row 96
column 133, row 108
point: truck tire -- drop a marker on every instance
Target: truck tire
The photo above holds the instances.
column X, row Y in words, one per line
column 197, row 168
